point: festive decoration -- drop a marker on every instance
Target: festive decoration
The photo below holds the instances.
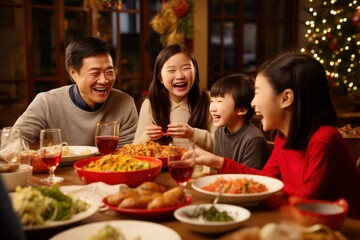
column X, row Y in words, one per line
column 356, row 17
column 333, row 38
column 100, row 4
column 174, row 22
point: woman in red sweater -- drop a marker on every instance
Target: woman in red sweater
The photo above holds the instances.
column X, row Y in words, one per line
column 310, row 156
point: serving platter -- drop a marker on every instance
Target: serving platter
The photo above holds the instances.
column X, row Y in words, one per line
column 78, row 154
column 93, row 207
column 145, row 214
column 131, row 229
column 244, row 199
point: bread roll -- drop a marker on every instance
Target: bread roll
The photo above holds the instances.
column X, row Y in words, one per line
column 140, row 201
column 171, row 197
column 116, row 198
column 151, row 186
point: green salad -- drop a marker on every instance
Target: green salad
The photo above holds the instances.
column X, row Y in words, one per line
column 36, row 205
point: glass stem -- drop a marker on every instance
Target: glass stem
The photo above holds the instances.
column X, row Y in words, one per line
column 52, row 172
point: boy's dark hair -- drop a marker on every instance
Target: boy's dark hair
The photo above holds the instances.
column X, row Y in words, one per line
column 86, row 47
column 312, row 106
column 241, row 89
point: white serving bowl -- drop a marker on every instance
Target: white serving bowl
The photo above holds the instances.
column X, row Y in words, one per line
column 200, row 225
column 245, row 199
column 17, row 178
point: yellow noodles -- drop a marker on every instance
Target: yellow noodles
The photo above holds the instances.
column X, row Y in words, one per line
column 117, row 163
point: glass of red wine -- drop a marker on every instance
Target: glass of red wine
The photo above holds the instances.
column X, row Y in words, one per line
column 180, row 170
column 107, row 137
column 50, row 152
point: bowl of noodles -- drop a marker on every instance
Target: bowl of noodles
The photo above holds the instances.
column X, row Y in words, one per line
column 118, row 169
column 241, row 189
column 151, row 149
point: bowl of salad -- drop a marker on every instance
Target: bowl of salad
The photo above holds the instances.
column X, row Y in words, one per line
column 118, row 169
column 212, row 219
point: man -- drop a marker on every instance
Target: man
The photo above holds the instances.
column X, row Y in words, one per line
column 76, row 108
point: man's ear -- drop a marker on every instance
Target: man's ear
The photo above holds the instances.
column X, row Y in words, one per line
column 73, row 74
column 287, row 98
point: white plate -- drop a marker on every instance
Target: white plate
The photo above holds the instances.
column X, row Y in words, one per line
column 77, row 151
column 75, row 218
column 247, row 199
column 200, row 225
column 130, row 228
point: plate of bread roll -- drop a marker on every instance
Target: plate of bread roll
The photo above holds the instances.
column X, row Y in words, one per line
column 149, row 201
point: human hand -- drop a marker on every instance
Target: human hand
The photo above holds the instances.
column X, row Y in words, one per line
column 203, row 157
column 154, row 132
column 180, row 130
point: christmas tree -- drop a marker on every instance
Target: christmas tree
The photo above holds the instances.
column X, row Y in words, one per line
column 333, row 38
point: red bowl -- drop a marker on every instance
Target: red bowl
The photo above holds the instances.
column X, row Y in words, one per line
column 310, row 212
column 164, row 159
column 176, row 157
column 131, row 178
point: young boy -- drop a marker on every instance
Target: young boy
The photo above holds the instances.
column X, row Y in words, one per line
column 236, row 137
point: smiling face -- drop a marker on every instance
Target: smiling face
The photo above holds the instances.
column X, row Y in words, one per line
column 95, row 78
column 224, row 114
column 178, row 75
column 271, row 106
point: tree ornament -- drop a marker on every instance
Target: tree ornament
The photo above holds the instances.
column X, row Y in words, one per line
column 333, row 45
column 180, row 7
column 356, row 17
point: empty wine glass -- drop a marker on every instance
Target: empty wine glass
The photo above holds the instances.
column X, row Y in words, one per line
column 50, row 152
column 180, row 170
column 107, row 136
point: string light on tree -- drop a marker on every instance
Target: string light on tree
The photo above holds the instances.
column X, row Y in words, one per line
column 333, row 38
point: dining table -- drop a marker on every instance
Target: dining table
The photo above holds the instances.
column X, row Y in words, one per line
column 261, row 214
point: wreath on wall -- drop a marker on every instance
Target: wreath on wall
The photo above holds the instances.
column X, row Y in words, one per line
column 174, row 22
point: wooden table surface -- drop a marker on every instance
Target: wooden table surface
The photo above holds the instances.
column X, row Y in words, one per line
column 260, row 214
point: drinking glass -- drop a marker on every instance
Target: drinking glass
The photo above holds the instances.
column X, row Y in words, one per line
column 10, row 147
column 180, row 170
column 50, row 152
column 107, row 136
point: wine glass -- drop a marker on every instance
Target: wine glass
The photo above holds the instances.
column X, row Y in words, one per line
column 50, row 152
column 107, row 136
column 180, row 170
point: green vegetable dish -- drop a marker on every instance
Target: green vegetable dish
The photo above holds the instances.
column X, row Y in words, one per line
column 211, row 214
column 36, row 205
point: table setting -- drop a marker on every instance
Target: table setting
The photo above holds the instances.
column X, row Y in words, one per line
column 176, row 192
column 261, row 214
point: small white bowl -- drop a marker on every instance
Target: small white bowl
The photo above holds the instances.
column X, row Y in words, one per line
column 200, row 225
column 17, row 178
column 246, row 199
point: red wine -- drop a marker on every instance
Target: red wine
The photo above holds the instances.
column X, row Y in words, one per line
column 51, row 160
column 181, row 171
column 107, row 144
